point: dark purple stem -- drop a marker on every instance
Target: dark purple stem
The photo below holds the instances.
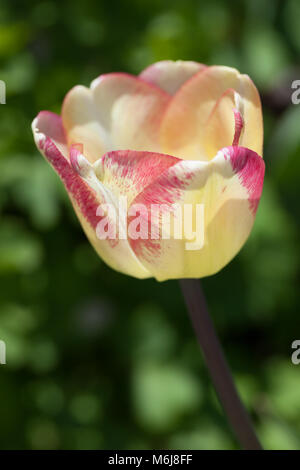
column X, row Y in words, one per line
column 217, row 365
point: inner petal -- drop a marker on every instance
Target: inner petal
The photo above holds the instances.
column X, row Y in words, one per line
column 169, row 75
column 187, row 115
column 218, row 131
column 118, row 111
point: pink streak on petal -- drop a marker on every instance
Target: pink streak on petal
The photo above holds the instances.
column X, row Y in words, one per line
column 75, row 151
column 250, row 168
column 166, row 190
column 228, row 92
column 140, row 168
column 81, row 193
column 239, row 124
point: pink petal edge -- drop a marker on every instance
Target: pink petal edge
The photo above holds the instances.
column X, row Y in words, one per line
column 77, row 188
column 250, row 168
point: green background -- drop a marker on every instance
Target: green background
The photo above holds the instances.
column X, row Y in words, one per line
column 98, row 360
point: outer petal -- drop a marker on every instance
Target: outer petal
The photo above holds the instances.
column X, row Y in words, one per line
column 219, row 129
column 83, row 124
column 119, row 111
column 229, row 186
column 185, row 121
column 50, row 140
column 170, row 75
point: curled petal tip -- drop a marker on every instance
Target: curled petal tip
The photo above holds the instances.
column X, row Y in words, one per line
column 98, row 168
column 39, row 136
column 238, row 126
column 79, row 163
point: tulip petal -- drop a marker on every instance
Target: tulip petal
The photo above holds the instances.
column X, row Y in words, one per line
column 170, row 75
column 128, row 172
column 50, row 140
column 83, row 124
column 229, row 187
column 219, row 129
column 119, row 111
column 136, row 108
column 185, row 121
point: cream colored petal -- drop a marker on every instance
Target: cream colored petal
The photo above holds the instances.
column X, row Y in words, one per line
column 170, row 75
column 119, row 111
column 219, row 129
column 86, row 193
column 185, row 121
column 227, row 188
column 83, row 125
column 131, row 109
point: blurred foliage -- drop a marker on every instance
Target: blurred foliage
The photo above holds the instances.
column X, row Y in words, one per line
column 96, row 359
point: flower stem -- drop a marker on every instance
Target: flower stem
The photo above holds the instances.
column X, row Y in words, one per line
column 217, row 365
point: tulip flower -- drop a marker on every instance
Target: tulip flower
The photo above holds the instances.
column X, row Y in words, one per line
column 181, row 133
column 179, row 136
